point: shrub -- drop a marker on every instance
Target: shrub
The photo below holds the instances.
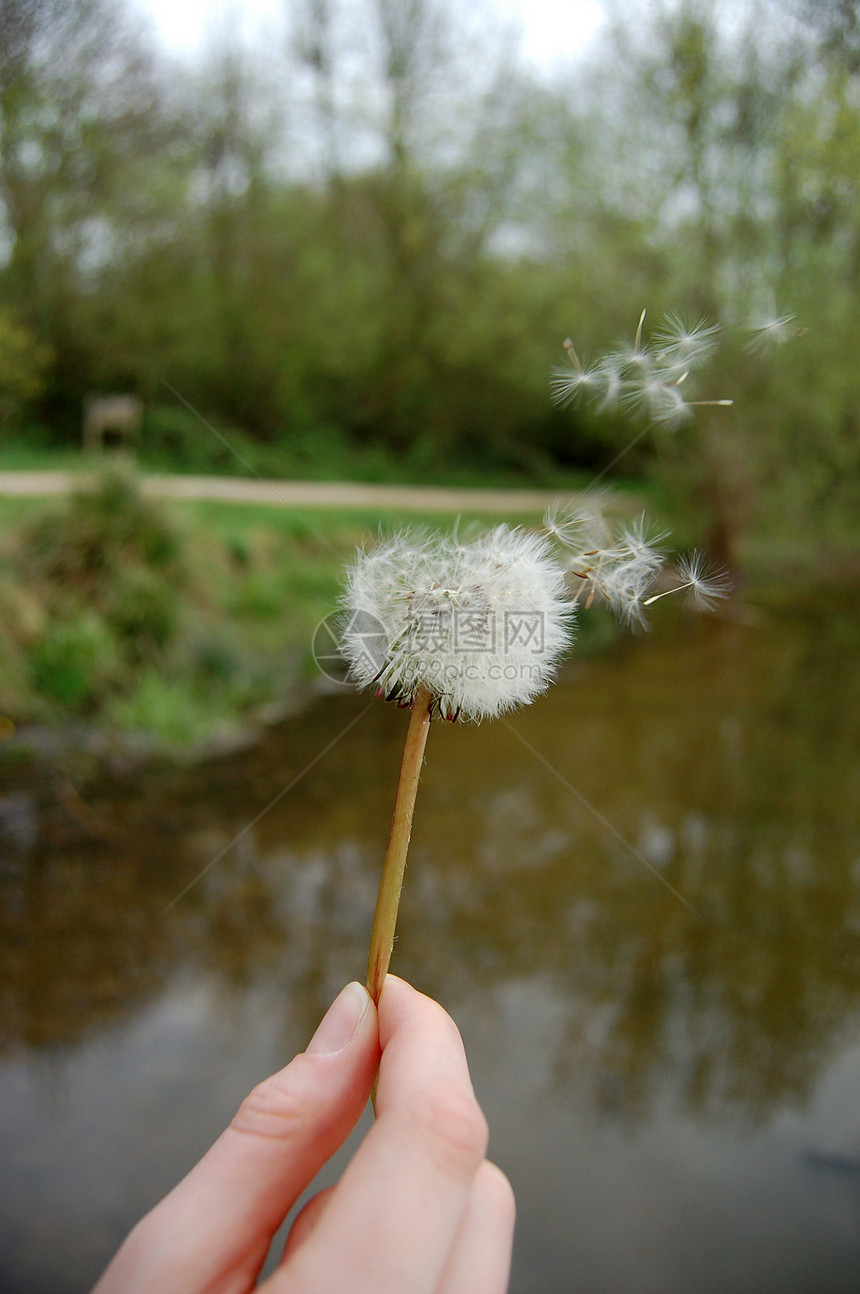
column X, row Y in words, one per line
column 73, row 662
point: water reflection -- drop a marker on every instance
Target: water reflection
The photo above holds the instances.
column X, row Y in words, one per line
column 724, row 752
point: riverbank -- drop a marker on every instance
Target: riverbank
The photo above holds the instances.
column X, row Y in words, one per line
column 176, row 615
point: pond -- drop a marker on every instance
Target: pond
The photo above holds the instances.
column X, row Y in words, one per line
column 639, row 898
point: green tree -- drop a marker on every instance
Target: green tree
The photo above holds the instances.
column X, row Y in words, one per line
column 818, row 190
column 24, row 362
column 79, row 107
column 685, row 147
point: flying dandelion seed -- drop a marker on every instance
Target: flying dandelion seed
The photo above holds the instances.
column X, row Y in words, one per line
column 685, row 344
column 702, row 587
column 772, row 331
column 643, row 378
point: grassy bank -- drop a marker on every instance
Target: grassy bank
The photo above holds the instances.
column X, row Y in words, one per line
column 179, row 621
column 185, row 621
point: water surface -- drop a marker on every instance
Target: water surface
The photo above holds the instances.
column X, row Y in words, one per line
column 673, row 1083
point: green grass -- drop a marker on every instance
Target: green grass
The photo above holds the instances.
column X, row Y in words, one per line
column 15, row 509
column 23, row 456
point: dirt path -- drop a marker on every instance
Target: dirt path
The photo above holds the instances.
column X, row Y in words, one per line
column 312, row 494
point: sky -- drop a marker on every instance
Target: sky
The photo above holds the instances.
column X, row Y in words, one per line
column 553, row 31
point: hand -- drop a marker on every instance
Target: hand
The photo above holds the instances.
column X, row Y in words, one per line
column 418, row 1210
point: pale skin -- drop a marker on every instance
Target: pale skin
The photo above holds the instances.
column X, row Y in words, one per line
column 418, row 1210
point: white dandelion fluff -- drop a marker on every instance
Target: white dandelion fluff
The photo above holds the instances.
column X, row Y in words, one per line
column 568, row 523
column 703, row 587
column 624, row 570
column 644, row 378
column 686, row 344
column 569, row 382
column 769, row 331
column 658, row 398
column 479, row 624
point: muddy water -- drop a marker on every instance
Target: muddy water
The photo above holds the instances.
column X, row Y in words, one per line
column 640, row 899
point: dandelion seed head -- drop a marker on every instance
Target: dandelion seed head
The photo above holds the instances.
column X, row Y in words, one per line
column 481, row 625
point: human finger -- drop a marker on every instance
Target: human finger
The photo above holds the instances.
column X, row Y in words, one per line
column 306, row 1221
column 391, row 1221
column 221, row 1218
column 480, row 1257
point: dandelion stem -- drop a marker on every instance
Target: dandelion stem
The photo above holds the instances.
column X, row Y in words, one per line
column 678, row 588
column 572, row 355
column 391, row 883
column 637, row 344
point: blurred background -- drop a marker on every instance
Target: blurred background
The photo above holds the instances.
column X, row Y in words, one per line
column 355, row 234
column 343, row 241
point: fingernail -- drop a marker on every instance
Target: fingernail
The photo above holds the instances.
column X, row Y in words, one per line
column 340, row 1021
